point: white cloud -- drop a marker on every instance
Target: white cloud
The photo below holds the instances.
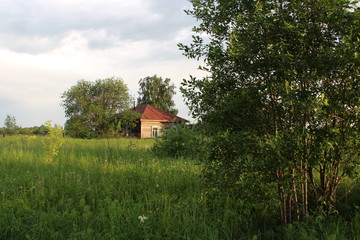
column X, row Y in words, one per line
column 28, row 44
column 47, row 45
column 52, row 17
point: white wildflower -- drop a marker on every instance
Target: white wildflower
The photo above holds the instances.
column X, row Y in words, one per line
column 142, row 218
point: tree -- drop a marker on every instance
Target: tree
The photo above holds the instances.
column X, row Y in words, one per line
column 282, row 101
column 10, row 124
column 129, row 122
column 91, row 106
column 158, row 93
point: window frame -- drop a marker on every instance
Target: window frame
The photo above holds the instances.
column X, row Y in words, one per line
column 157, row 131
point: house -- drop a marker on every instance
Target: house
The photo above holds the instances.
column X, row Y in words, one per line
column 151, row 122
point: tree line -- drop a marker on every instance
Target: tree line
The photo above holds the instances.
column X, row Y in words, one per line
column 11, row 128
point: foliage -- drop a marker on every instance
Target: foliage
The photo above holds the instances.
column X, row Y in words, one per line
column 129, row 118
column 91, row 107
column 282, row 101
column 53, row 141
column 10, row 124
column 157, row 92
column 36, row 130
column 98, row 188
column 182, row 141
column 41, row 130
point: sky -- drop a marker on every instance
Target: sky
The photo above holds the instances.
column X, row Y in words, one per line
column 46, row 46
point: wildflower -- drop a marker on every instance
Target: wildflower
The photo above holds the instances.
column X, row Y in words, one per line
column 142, row 218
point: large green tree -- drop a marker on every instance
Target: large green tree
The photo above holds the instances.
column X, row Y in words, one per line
column 157, row 92
column 282, row 100
column 91, row 107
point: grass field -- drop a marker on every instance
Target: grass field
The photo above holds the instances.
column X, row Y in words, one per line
column 117, row 189
column 104, row 189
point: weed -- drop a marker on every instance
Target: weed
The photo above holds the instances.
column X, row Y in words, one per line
column 53, row 141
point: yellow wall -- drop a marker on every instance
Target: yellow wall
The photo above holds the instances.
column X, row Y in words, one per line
column 146, row 128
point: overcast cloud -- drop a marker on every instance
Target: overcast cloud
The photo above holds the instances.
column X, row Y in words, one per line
column 47, row 45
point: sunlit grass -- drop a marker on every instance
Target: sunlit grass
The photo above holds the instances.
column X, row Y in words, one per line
column 97, row 189
column 118, row 189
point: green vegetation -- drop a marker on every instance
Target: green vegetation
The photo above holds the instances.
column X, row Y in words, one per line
column 101, row 108
column 281, row 102
column 11, row 128
column 54, row 140
column 275, row 154
column 117, row 189
column 182, row 141
column 97, row 189
column 10, row 125
column 157, row 92
column 91, row 107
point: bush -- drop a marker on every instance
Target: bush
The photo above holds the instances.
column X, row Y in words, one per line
column 182, row 141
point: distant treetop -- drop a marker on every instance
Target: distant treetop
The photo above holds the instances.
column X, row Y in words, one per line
column 158, row 93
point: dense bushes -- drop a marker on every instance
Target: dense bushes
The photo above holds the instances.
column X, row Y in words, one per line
column 182, row 141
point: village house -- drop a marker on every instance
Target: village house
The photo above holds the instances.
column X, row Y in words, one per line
column 151, row 122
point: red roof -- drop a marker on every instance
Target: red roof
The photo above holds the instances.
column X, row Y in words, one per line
column 149, row 112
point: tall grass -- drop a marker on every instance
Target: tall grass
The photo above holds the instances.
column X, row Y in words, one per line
column 98, row 189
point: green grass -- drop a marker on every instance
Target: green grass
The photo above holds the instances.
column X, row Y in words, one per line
column 97, row 189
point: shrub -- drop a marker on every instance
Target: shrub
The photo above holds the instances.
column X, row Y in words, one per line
column 54, row 140
column 182, row 141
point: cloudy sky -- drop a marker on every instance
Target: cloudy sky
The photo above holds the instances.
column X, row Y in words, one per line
column 46, row 46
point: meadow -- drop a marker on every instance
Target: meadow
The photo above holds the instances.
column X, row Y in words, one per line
column 118, row 189
column 103, row 189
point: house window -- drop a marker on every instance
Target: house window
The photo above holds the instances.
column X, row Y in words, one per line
column 154, row 131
